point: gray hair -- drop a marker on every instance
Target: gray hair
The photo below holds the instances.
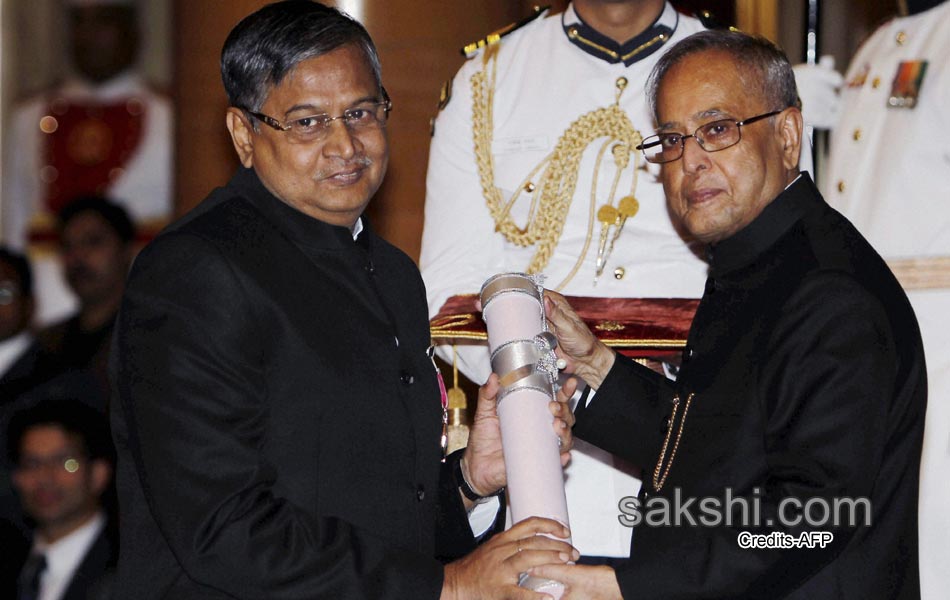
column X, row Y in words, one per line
column 268, row 44
column 764, row 67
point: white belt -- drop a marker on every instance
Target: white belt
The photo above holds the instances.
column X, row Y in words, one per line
column 925, row 273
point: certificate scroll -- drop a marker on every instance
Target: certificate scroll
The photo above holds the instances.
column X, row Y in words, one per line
column 522, row 354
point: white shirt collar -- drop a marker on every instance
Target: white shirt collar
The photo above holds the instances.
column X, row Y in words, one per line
column 11, row 350
column 65, row 555
column 357, row 228
column 792, row 182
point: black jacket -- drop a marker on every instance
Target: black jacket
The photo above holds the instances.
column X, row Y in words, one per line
column 92, row 579
column 277, row 418
column 807, row 374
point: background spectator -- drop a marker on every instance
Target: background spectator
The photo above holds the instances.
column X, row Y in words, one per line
column 63, row 461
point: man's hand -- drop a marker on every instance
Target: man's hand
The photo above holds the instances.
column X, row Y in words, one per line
column 483, row 464
column 492, row 570
column 564, row 419
column 586, row 356
column 582, row 582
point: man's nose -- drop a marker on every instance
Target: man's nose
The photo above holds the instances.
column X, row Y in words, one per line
column 74, row 256
column 340, row 140
column 694, row 157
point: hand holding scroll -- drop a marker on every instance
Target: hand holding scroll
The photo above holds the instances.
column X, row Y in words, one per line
column 586, row 356
column 493, row 569
column 483, row 463
column 582, row 582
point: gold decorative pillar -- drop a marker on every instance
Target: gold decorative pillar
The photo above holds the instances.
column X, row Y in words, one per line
column 759, row 17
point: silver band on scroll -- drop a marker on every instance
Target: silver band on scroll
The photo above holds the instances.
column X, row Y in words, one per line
column 522, row 355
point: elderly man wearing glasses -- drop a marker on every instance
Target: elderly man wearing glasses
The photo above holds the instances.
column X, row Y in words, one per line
column 783, row 462
column 278, row 417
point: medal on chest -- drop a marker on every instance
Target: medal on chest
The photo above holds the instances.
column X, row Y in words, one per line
column 908, row 80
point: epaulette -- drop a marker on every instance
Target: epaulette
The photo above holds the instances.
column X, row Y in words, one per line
column 710, row 21
column 493, row 38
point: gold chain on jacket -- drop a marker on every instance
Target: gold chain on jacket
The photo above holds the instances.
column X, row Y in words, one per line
column 662, row 470
column 557, row 176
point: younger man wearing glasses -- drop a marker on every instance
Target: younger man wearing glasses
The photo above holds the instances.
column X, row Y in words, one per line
column 783, row 462
column 61, row 454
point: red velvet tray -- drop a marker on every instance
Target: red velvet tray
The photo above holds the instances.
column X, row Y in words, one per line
column 637, row 327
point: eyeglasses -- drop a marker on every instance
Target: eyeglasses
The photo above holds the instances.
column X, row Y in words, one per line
column 313, row 128
column 8, row 292
column 66, row 462
column 711, row 137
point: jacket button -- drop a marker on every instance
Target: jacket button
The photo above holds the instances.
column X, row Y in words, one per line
column 407, row 378
column 420, row 493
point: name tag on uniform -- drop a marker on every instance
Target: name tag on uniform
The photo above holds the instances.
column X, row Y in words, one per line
column 907, row 83
column 532, row 143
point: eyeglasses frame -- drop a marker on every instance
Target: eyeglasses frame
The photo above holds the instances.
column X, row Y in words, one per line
column 9, row 292
column 739, row 124
column 70, row 463
column 386, row 103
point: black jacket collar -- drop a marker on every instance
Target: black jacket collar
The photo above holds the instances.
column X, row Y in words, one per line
column 302, row 229
column 758, row 236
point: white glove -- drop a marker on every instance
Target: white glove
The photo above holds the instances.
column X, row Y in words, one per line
column 818, row 87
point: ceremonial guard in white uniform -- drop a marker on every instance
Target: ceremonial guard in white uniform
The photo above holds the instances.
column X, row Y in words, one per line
column 889, row 173
column 63, row 138
column 533, row 168
column 110, row 136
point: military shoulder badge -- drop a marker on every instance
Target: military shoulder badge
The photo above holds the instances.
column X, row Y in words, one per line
column 711, row 21
column 470, row 50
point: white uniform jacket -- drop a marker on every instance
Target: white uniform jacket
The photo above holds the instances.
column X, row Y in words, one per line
column 889, row 173
column 143, row 186
column 544, row 83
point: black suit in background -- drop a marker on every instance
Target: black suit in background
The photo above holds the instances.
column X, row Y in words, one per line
column 15, row 547
column 22, row 374
column 19, row 378
column 67, row 348
column 277, row 417
column 808, row 376
column 92, row 579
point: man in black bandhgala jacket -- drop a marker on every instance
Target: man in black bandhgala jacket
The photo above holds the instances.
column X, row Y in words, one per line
column 802, row 389
column 277, row 412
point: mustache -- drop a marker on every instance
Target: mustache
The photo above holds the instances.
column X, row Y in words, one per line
column 360, row 162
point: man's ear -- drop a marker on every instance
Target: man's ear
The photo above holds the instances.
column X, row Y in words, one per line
column 242, row 135
column 101, row 475
column 790, row 126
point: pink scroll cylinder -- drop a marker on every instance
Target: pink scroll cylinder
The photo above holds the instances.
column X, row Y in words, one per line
column 532, row 457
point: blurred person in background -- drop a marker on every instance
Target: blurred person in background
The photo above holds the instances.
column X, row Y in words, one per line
column 63, row 463
column 103, row 130
column 96, row 248
column 889, row 173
